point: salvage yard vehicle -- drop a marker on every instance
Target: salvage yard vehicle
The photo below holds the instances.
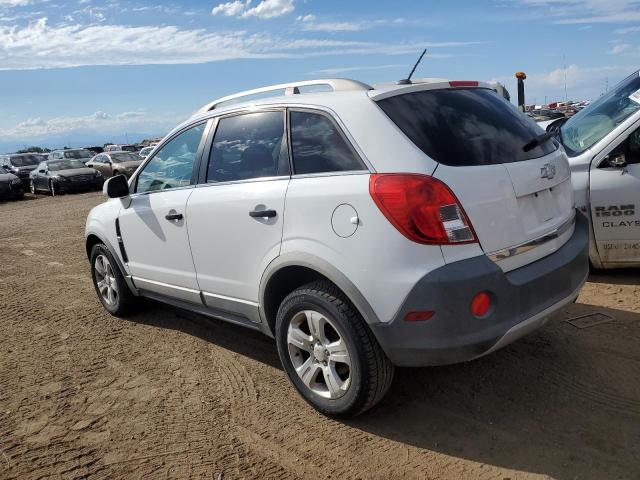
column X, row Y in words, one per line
column 20, row 164
column 602, row 142
column 412, row 224
column 71, row 153
column 115, row 163
column 62, row 176
column 10, row 186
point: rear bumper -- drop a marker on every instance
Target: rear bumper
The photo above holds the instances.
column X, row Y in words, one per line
column 522, row 300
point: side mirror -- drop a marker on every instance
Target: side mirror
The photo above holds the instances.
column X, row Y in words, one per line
column 116, row 187
column 617, row 160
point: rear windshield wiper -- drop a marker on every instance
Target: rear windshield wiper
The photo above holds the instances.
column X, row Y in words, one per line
column 539, row 140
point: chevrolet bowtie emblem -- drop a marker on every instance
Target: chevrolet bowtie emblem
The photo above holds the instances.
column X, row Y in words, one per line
column 548, row 171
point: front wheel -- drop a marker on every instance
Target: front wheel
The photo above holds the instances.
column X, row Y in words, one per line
column 329, row 353
column 110, row 285
column 32, row 187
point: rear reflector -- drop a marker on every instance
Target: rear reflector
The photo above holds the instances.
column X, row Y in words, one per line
column 481, row 304
column 463, row 83
column 422, row 208
column 418, row 316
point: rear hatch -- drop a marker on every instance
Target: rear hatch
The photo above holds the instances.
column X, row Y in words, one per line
column 519, row 202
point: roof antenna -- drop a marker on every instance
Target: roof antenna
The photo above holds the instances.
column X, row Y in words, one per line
column 407, row 81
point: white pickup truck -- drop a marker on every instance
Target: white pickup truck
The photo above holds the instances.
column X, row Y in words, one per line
column 603, row 145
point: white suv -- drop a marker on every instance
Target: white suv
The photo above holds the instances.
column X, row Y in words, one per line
column 414, row 224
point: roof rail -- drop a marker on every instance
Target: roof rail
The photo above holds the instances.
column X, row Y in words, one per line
column 336, row 84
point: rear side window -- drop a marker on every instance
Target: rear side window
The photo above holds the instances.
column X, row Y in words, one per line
column 465, row 127
column 318, row 146
column 248, row 146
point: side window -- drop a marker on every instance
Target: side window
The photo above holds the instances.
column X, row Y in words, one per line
column 172, row 165
column 318, row 146
column 634, row 147
column 248, row 146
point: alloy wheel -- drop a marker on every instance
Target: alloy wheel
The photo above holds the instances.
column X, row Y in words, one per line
column 319, row 354
column 52, row 188
column 106, row 280
column 32, row 187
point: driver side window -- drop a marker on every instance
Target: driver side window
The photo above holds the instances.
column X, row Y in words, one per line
column 633, row 148
column 172, row 165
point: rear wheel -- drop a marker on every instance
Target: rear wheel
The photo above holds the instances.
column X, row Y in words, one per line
column 111, row 287
column 329, row 353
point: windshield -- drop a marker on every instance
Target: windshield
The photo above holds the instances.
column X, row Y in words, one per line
column 25, row 160
column 124, row 157
column 464, row 127
column 592, row 123
column 65, row 165
column 78, row 154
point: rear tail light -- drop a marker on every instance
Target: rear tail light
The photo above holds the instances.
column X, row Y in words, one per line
column 422, row 208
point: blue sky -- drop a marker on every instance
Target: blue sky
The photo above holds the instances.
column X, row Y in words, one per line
column 91, row 71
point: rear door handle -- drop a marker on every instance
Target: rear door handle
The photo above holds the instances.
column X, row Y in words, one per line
column 173, row 216
column 262, row 213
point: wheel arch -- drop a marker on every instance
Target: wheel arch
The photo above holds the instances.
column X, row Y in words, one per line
column 290, row 271
column 93, row 239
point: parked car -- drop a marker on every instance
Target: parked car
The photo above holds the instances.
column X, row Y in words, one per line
column 115, row 163
column 20, row 164
column 62, row 176
column 10, row 186
column 144, row 153
column 121, row 148
column 81, row 154
column 413, row 225
column 603, row 144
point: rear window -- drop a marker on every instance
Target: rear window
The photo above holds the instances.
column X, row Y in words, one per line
column 465, row 127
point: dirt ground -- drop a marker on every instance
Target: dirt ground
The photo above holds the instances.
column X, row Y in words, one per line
column 168, row 394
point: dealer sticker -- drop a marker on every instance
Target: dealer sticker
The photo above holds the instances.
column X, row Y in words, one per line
column 635, row 96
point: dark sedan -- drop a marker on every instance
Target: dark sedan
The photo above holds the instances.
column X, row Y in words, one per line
column 10, row 186
column 61, row 176
column 21, row 165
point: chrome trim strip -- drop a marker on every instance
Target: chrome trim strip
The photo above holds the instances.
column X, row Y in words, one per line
column 231, row 299
column 531, row 244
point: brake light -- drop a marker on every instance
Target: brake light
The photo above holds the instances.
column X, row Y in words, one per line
column 422, row 208
column 463, row 83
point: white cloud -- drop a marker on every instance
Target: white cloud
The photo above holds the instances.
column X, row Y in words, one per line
column 623, row 47
column 37, row 127
column 308, row 23
column 624, row 31
column 229, row 9
column 577, row 12
column 270, row 9
column 264, row 9
column 39, row 45
column 14, row 3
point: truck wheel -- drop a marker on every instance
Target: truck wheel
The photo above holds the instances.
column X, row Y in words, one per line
column 111, row 287
column 329, row 353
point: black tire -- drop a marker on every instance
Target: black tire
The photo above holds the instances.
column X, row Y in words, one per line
column 371, row 372
column 32, row 188
column 125, row 300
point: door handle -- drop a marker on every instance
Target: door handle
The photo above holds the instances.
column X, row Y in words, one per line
column 262, row 213
column 173, row 216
